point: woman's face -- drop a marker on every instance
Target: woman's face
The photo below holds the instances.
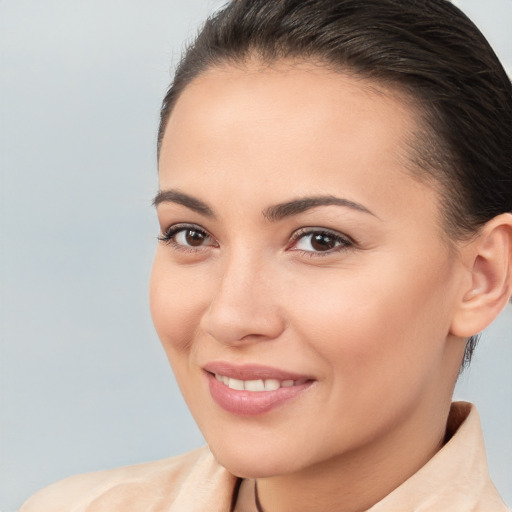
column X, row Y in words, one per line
column 303, row 291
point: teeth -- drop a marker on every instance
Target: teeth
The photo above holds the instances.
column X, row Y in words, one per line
column 236, row 384
column 257, row 385
column 254, row 385
column 271, row 384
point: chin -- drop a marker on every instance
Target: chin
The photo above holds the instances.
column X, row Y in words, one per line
column 251, row 465
column 247, row 455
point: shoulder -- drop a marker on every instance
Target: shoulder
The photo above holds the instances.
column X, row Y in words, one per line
column 131, row 488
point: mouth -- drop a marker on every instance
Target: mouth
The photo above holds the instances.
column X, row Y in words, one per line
column 257, row 385
column 251, row 389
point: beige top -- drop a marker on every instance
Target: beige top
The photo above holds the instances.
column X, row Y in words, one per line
column 455, row 479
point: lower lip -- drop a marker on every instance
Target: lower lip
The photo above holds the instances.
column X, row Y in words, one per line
column 251, row 403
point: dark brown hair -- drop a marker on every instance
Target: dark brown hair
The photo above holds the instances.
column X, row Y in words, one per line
column 427, row 49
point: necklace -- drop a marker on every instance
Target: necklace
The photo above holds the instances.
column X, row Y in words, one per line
column 259, row 508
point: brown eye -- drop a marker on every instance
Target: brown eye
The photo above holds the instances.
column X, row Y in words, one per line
column 322, row 242
column 183, row 237
column 194, row 238
column 318, row 241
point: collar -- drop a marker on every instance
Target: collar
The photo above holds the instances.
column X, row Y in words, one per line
column 455, row 478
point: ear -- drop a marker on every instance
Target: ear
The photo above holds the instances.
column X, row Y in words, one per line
column 488, row 261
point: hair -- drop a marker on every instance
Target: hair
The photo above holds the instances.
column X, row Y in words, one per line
column 427, row 49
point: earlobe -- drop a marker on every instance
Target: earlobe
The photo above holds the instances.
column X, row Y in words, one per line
column 490, row 268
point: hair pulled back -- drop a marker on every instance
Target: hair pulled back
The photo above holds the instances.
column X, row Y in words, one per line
column 427, row 49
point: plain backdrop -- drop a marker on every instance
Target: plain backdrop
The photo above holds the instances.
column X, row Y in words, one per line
column 84, row 382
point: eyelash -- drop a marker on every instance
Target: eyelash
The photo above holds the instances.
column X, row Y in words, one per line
column 342, row 242
column 168, row 236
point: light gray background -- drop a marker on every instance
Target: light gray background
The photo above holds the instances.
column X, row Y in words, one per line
column 84, row 382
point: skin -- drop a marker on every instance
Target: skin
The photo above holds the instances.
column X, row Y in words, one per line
column 370, row 321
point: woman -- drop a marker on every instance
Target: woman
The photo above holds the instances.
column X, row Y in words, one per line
column 335, row 208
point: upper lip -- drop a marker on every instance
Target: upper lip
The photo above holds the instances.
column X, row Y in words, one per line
column 252, row 371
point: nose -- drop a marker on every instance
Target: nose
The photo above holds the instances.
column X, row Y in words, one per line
column 244, row 307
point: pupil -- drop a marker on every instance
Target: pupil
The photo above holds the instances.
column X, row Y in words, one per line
column 322, row 242
column 194, row 238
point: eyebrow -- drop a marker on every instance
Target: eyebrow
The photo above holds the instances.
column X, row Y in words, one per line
column 296, row 206
column 272, row 213
column 174, row 196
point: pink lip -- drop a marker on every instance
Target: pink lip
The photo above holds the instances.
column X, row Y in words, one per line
column 250, row 403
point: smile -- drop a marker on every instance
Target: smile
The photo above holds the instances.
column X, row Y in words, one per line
column 250, row 390
column 257, row 385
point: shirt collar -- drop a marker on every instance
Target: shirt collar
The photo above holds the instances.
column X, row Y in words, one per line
column 455, row 478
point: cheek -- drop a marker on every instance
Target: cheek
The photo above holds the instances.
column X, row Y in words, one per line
column 176, row 303
column 371, row 325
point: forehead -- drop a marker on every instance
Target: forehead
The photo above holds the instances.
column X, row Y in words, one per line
column 289, row 101
column 287, row 127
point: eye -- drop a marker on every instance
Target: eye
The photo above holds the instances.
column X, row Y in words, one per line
column 187, row 237
column 314, row 240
